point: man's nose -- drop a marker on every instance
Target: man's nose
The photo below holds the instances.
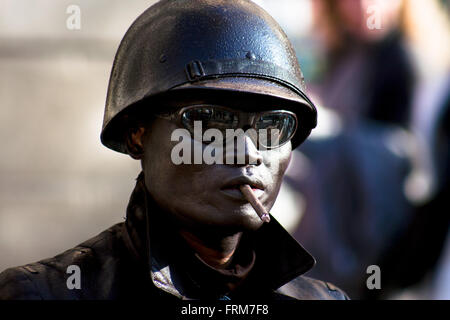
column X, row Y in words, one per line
column 243, row 152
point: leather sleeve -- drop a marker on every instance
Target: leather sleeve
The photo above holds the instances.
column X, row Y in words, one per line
column 47, row 279
column 15, row 284
column 305, row 288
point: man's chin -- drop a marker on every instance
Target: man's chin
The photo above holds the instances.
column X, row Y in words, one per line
column 241, row 222
column 245, row 222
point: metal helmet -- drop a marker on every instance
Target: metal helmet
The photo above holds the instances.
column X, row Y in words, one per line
column 190, row 47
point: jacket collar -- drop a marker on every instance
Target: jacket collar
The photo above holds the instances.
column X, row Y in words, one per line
column 280, row 258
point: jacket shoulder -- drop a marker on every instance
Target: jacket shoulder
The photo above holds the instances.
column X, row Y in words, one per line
column 47, row 279
column 305, row 288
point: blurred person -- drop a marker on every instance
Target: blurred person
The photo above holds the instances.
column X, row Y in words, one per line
column 195, row 231
column 417, row 262
column 354, row 185
column 373, row 62
column 417, row 266
column 353, row 188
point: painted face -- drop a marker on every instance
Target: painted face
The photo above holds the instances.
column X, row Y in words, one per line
column 207, row 195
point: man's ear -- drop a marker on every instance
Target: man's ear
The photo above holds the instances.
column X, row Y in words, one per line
column 135, row 142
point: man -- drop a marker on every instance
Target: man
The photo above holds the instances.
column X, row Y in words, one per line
column 187, row 74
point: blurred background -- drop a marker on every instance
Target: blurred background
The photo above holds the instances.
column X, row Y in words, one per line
column 370, row 186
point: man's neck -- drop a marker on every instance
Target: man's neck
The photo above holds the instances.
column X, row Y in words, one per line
column 216, row 250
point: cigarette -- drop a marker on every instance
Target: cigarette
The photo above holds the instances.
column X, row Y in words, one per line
column 256, row 204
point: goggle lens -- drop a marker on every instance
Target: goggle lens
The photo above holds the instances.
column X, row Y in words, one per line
column 273, row 128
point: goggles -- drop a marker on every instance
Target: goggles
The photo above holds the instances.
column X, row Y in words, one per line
column 272, row 129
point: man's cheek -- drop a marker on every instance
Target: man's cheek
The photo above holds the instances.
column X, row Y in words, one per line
column 274, row 160
column 284, row 157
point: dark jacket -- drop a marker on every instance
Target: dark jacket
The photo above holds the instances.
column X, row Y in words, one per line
column 142, row 259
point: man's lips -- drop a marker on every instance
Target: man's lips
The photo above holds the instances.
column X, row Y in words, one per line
column 232, row 187
column 240, row 180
